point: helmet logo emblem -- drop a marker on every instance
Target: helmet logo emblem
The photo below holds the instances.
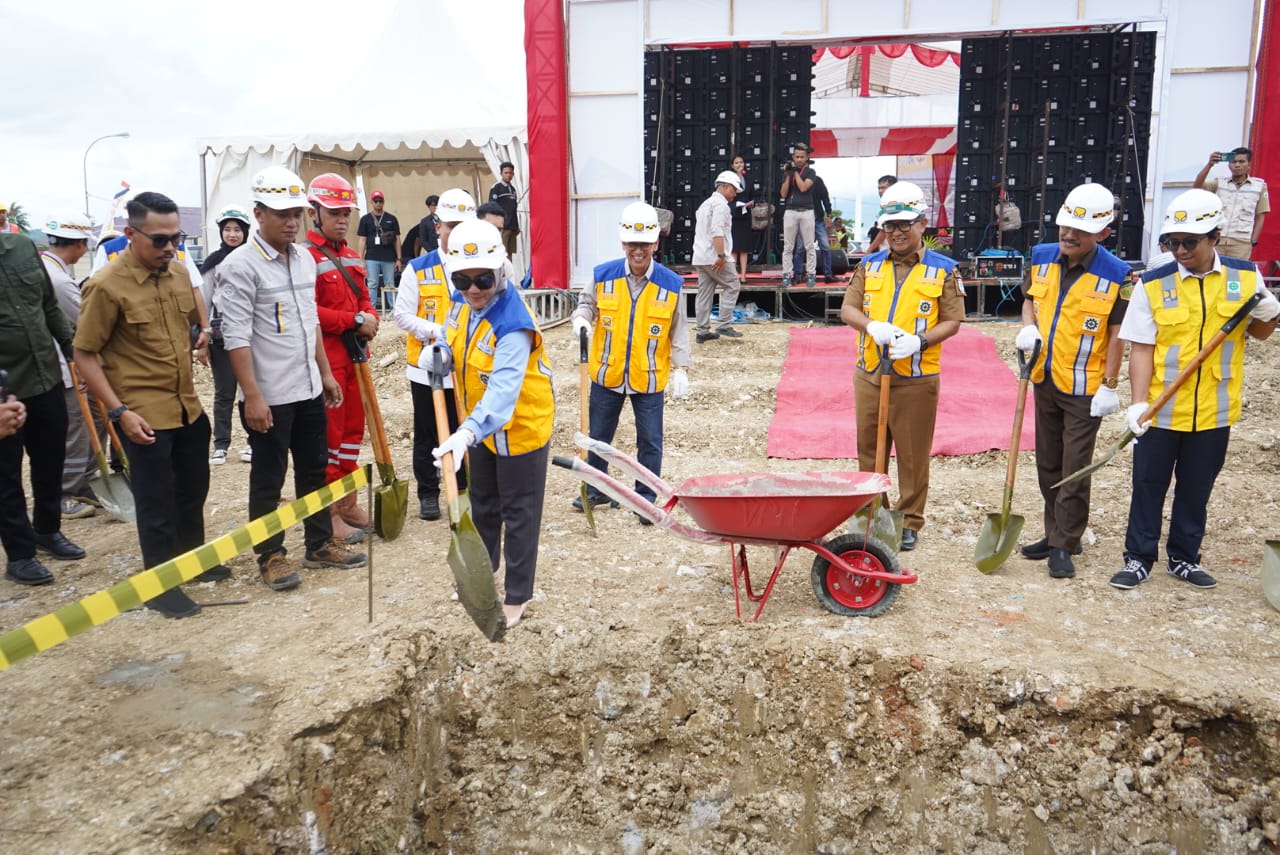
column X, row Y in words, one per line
column 1078, row 212
column 1179, row 216
column 470, row 249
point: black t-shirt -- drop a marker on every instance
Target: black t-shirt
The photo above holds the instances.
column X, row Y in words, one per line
column 505, row 195
column 381, row 236
column 427, row 237
column 797, row 200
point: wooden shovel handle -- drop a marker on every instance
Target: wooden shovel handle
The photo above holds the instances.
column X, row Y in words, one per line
column 584, row 391
column 447, row 473
column 372, row 413
column 882, row 414
column 94, row 442
column 1015, row 441
column 111, row 432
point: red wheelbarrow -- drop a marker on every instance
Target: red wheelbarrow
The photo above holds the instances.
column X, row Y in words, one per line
column 852, row 575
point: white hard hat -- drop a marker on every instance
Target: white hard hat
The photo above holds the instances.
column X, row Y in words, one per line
column 731, row 178
column 474, row 243
column 233, row 212
column 277, row 187
column 1089, row 208
column 638, row 224
column 902, row 201
column 1196, row 212
column 72, row 225
column 455, row 206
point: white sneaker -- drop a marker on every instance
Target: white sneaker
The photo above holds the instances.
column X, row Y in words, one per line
column 218, row 457
column 246, row 456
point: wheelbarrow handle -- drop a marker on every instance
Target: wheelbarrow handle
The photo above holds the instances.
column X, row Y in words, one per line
column 627, row 464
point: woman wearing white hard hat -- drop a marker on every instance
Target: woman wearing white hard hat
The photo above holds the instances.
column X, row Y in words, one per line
column 501, row 367
column 1076, row 295
column 1179, row 307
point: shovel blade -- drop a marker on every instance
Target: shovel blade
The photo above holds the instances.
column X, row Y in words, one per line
column 473, row 574
column 997, row 541
column 114, row 493
column 886, row 525
column 1271, row 573
column 390, row 506
column 588, row 509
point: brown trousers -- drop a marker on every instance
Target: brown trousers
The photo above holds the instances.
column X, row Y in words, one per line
column 913, row 410
column 1065, row 435
column 1235, row 247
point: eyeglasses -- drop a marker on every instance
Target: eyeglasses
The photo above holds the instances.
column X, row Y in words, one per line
column 484, row 281
column 161, row 241
column 899, row 225
column 1169, row 244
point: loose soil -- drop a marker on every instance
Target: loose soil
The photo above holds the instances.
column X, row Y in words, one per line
column 632, row 711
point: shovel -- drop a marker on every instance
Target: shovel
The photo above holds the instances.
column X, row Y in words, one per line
column 391, row 498
column 468, row 557
column 113, row 490
column 1170, row 390
column 880, row 522
column 1271, row 573
column 1000, row 532
column 584, row 424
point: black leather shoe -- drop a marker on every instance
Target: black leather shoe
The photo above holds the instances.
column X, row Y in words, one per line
column 216, row 573
column 1039, row 550
column 909, row 538
column 28, row 571
column 597, row 500
column 429, row 508
column 644, row 520
column 58, row 546
column 1060, row 565
column 174, row 603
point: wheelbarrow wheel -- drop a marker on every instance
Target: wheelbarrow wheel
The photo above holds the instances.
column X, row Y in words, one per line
column 847, row 593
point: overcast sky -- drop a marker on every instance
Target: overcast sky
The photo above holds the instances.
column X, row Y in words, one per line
column 173, row 73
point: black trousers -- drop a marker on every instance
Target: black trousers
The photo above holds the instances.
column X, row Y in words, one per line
column 297, row 428
column 44, row 439
column 170, row 482
column 1193, row 460
column 425, row 439
column 509, row 491
column 1065, row 437
column 224, row 394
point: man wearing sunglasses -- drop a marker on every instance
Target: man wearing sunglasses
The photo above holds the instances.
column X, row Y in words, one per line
column 639, row 344
column 422, row 304
column 905, row 298
column 133, row 348
column 1179, row 306
column 271, row 331
column 1075, row 293
column 500, row 364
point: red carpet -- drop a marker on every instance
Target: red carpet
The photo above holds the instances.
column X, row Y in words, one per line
column 814, row 418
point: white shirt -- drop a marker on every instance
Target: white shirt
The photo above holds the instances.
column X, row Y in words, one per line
column 713, row 219
column 1139, row 324
column 406, row 317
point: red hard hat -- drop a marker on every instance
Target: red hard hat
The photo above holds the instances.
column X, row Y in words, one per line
column 331, row 191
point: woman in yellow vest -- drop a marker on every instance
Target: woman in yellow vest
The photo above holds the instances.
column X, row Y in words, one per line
column 501, row 367
column 1180, row 305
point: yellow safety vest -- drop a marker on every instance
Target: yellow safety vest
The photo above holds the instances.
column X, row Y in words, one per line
column 1187, row 314
column 1074, row 324
column 632, row 344
column 533, row 418
column 912, row 306
column 433, row 299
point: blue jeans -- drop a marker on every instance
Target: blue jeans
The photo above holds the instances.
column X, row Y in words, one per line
column 820, row 242
column 603, row 409
column 380, row 274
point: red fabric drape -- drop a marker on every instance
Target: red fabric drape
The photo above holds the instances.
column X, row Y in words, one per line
column 1264, row 140
column 893, row 51
column 943, row 164
column 923, row 55
column 933, row 58
column 548, row 126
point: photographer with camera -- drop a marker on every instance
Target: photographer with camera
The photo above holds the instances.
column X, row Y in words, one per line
column 797, row 219
column 1244, row 201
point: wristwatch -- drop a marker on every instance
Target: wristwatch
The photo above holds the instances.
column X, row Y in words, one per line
column 115, row 414
column 1111, row 382
column 924, row 342
column 721, row 255
column 207, row 330
column 359, row 319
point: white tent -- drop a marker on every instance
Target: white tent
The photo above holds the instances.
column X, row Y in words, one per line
column 406, row 166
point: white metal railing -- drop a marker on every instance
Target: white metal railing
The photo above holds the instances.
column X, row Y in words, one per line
column 550, row 306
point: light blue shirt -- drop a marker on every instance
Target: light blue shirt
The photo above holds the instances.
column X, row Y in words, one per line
column 510, row 359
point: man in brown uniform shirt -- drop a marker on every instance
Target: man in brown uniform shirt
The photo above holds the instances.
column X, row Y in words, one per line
column 133, row 347
column 906, row 298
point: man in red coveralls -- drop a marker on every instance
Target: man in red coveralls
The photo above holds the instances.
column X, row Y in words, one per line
column 342, row 302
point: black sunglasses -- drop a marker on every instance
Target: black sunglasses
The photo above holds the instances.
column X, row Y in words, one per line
column 484, row 281
column 161, row 241
column 1189, row 244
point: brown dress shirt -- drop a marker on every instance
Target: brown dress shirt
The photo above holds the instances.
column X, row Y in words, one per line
column 139, row 324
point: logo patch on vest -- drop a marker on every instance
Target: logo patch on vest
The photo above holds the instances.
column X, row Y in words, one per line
column 485, row 347
column 1092, row 324
column 926, row 306
column 606, row 321
column 655, row 329
column 1233, row 289
column 484, row 378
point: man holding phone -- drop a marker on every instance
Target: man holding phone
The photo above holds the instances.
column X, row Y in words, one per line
column 1244, row 201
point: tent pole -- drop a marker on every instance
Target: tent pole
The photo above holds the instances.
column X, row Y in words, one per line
column 204, row 204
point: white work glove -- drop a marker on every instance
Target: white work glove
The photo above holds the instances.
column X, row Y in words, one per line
column 1268, row 307
column 883, row 333
column 458, row 443
column 1132, row 415
column 1105, row 402
column 581, row 325
column 904, row 345
column 679, row 383
column 432, row 332
column 1027, row 338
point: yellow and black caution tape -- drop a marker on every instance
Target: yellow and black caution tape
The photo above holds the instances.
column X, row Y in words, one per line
column 44, row 632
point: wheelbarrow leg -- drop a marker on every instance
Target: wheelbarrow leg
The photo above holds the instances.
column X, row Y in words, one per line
column 740, row 569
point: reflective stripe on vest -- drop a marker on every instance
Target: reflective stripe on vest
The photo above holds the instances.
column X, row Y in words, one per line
column 912, row 306
column 1073, row 324
column 632, row 345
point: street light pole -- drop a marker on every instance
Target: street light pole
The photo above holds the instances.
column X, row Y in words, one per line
column 85, row 165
